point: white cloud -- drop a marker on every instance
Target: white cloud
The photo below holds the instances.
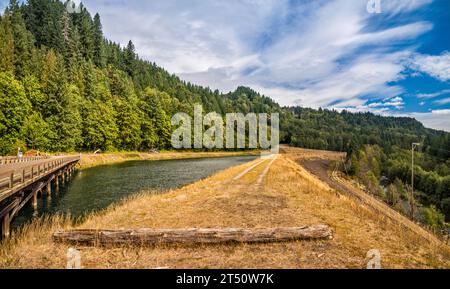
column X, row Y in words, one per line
column 308, row 53
column 312, row 53
column 403, row 6
column 434, row 94
column 443, row 101
column 437, row 66
column 185, row 36
column 437, row 119
column 396, row 102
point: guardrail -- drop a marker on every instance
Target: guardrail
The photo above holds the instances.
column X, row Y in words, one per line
column 28, row 174
column 15, row 160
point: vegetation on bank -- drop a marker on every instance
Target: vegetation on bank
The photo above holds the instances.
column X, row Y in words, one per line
column 91, row 160
column 65, row 87
column 388, row 175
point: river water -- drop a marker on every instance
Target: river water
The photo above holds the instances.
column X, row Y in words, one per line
column 96, row 188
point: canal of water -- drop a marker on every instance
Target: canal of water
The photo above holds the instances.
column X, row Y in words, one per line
column 96, row 188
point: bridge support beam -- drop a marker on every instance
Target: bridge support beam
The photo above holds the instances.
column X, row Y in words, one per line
column 49, row 189
column 6, row 226
column 34, row 202
column 57, row 183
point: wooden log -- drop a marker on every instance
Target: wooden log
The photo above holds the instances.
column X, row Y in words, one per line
column 190, row 236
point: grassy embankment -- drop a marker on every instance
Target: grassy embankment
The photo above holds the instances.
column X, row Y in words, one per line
column 91, row 160
column 289, row 196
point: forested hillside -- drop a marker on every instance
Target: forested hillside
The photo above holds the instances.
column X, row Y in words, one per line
column 379, row 155
column 65, row 87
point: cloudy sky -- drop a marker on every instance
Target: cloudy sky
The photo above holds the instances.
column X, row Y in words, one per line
column 312, row 53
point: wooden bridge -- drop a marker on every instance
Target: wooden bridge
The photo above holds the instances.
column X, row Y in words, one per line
column 23, row 179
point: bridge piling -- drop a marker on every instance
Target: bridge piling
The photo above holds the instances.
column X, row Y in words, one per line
column 49, row 188
column 57, row 183
column 6, row 226
column 35, row 200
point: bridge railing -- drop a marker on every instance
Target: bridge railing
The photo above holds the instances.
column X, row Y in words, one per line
column 15, row 160
column 33, row 172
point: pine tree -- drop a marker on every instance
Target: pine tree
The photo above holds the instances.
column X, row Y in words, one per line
column 7, row 57
column 99, row 51
column 85, row 28
column 68, row 123
column 23, row 41
column 129, row 58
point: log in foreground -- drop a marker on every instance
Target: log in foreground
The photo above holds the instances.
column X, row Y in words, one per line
column 190, row 236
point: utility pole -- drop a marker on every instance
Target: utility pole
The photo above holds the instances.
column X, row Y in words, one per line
column 414, row 145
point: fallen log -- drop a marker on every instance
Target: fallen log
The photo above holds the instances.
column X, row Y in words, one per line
column 91, row 237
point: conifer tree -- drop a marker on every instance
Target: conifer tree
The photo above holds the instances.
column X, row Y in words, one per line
column 7, row 57
column 99, row 51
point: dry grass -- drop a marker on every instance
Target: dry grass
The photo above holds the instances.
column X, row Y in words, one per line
column 307, row 154
column 289, row 196
column 91, row 160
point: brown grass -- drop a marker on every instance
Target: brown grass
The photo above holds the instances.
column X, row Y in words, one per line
column 289, row 196
column 91, row 160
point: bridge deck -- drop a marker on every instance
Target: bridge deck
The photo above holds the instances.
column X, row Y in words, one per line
column 6, row 169
column 14, row 177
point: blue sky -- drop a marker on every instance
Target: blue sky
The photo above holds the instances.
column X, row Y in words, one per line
column 312, row 53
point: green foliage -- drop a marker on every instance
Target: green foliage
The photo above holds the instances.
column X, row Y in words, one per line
column 36, row 132
column 392, row 195
column 371, row 163
column 433, row 218
column 14, row 108
column 99, row 128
